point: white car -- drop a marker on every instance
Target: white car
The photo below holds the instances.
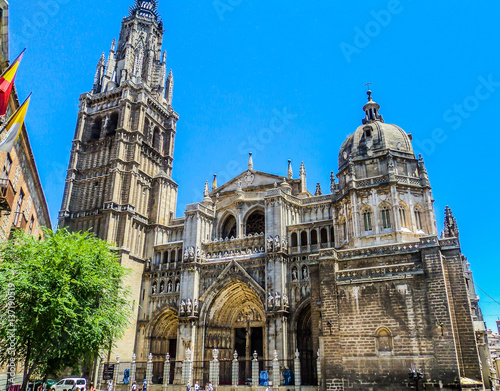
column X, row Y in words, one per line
column 67, row 384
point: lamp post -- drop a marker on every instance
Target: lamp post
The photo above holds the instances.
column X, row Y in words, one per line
column 415, row 375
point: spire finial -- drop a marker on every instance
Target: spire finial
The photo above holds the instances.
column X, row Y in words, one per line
column 250, row 161
column 450, row 224
column 290, row 171
column 214, row 183
column 113, row 45
column 318, row 190
column 206, row 191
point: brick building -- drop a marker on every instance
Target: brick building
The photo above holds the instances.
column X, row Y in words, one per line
column 355, row 282
column 22, row 201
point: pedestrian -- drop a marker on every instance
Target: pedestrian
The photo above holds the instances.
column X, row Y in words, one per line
column 145, row 385
column 110, row 385
column 74, row 386
column 197, row 386
column 92, row 388
column 134, row 386
column 210, row 386
column 188, row 387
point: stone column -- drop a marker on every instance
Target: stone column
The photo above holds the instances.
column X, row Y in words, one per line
column 255, row 370
column 149, row 369
column 116, row 371
column 318, row 370
column 296, row 369
column 166, row 372
column 214, row 368
column 187, row 368
column 235, row 369
column 133, row 369
column 276, row 370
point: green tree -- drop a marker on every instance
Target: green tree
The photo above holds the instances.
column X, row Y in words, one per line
column 62, row 300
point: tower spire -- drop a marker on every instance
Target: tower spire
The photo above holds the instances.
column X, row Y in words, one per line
column 290, row 171
column 450, row 224
column 250, row 161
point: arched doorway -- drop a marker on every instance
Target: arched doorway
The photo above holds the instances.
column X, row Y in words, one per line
column 305, row 347
column 228, row 229
column 163, row 340
column 235, row 321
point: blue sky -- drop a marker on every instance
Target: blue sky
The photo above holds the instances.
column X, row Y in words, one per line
column 240, row 64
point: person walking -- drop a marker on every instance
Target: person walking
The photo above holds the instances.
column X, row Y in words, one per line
column 92, row 388
column 74, row 386
column 145, row 385
column 134, row 386
column 188, row 386
column 196, row 386
column 210, row 387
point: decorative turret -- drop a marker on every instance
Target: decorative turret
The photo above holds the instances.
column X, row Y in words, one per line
column 290, row 171
column 169, row 92
column 332, row 182
column 450, row 224
column 101, row 66
column 302, row 177
column 371, row 110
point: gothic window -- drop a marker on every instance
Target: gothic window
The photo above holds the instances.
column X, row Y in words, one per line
column 156, row 138
column 32, row 222
column 418, row 219
column 367, row 220
column 303, row 238
column 402, row 217
column 112, row 124
column 256, row 223
column 229, row 227
column 383, row 340
column 95, row 133
column 386, row 217
column 166, row 144
column 165, row 257
column 314, row 237
column 294, row 239
column 344, row 231
column 324, row 235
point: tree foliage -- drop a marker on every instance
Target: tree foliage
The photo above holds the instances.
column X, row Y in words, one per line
column 62, row 299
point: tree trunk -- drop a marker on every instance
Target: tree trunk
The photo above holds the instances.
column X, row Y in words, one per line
column 26, row 364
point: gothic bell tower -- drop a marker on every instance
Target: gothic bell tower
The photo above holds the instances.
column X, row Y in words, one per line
column 119, row 182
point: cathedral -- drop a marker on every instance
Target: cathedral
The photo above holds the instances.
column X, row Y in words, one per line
column 354, row 283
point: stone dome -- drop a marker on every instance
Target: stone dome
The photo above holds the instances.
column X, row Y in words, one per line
column 374, row 137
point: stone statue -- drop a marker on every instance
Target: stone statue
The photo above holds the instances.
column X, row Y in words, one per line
column 177, row 286
column 162, row 287
column 169, row 286
column 305, row 273
column 186, row 255
column 277, row 300
column 286, row 304
column 195, row 306
column 284, row 244
column 270, row 243
column 189, row 306
column 198, row 252
column 191, row 252
column 270, row 301
column 154, row 289
column 294, row 274
column 277, row 243
column 239, row 185
column 183, row 307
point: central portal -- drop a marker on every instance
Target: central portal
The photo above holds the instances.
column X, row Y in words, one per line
column 246, row 341
column 235, row 323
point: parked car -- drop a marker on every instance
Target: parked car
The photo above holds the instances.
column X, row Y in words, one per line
column 67, row 383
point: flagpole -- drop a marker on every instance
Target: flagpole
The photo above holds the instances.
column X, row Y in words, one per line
column 13, row 62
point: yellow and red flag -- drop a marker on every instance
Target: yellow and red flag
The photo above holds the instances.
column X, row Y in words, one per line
column 14, row 126
column 6, row 83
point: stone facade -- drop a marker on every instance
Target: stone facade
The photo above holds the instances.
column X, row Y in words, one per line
column 353, row 286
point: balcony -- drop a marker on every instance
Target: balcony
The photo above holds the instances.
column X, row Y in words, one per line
column 7, row 195
column 20, row 221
